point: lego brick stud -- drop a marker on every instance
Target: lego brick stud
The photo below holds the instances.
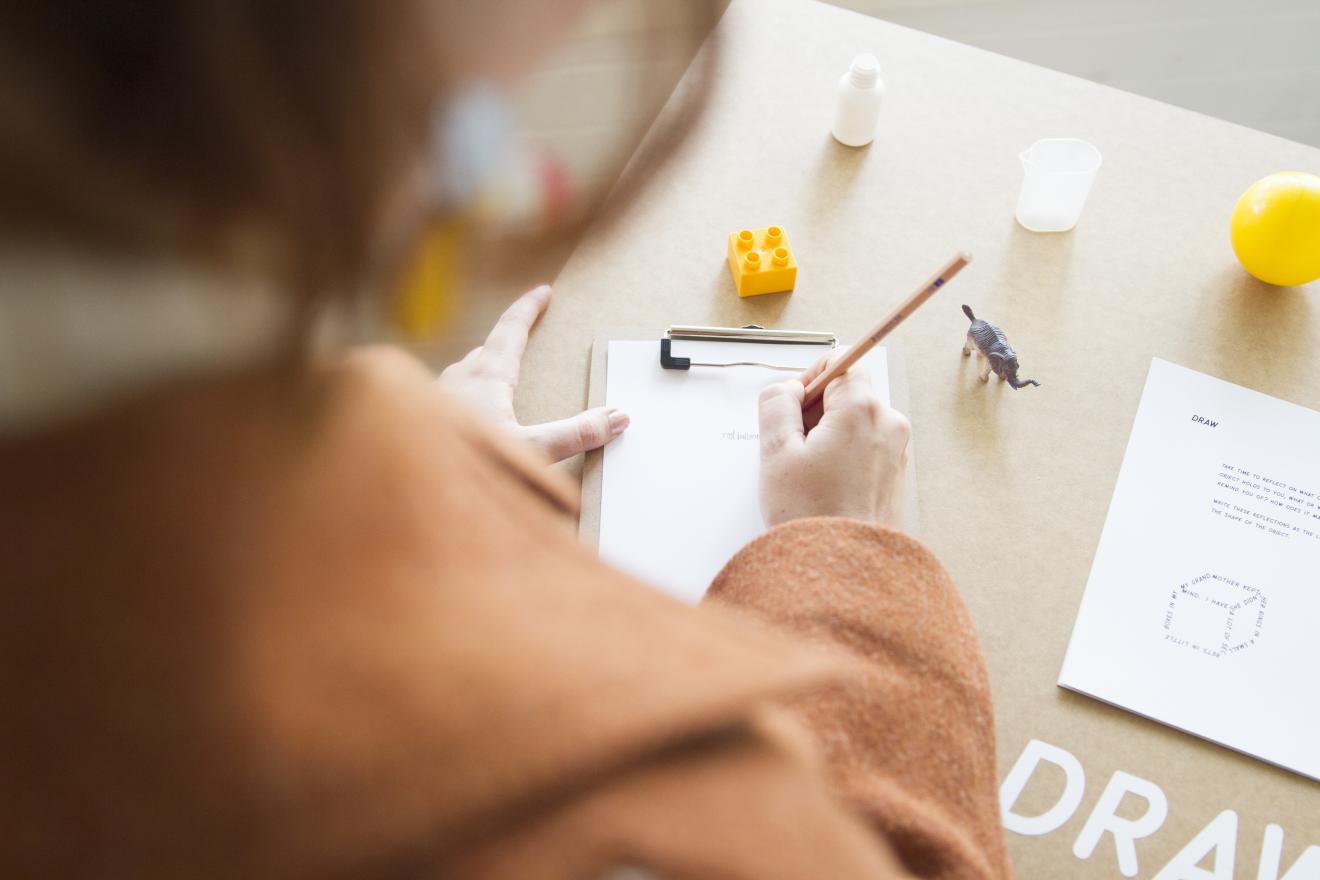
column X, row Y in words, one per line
column 761, row 261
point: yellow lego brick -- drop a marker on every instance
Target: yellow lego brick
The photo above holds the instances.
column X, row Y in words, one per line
column 761, row 261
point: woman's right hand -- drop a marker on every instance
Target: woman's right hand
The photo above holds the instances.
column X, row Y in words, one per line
column 851, row 462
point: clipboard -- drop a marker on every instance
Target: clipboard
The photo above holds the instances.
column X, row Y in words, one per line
column 593, row 463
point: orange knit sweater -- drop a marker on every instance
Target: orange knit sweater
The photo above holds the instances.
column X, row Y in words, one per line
column 332, row 628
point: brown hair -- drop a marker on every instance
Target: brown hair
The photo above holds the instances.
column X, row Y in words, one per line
column 275, row 134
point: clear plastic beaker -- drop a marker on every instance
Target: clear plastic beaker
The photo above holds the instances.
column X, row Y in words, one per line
column 1058, row 173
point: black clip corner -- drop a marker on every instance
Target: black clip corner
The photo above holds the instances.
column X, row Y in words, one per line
column 668, row 361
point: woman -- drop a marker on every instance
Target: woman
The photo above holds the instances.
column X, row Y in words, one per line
column 269, row 613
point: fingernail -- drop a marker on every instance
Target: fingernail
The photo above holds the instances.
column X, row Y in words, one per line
column 618, row 422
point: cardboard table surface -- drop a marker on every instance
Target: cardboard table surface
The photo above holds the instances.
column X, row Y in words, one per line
column 1013, row 486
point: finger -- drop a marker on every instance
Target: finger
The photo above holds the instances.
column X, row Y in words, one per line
column 812, row 412
column 848, row 388
column 468, row 360
column 810, row 373
column 581, row 433
column 898, row 427
column 780, row 416
column 823, row 364
column 851, row 405
column 816, row 407
column 503, row 351
column 458, row 369
column 855, row 382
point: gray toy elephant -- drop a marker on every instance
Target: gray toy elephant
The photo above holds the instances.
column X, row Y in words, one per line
column 992, row 344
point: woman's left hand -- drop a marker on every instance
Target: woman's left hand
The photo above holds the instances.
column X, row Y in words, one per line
column 486, row 377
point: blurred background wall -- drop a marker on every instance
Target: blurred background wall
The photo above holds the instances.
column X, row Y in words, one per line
column 1254, row 62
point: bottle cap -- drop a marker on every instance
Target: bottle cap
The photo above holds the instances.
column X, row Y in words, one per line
column 865, row 71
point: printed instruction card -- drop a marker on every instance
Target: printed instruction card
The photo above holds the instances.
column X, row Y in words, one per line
column 1202, row 610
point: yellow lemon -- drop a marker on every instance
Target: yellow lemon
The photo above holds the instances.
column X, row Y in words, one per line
column 1276, row 228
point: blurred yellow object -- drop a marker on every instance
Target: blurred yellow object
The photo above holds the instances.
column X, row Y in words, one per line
column 428, row 292
column 1276, row 228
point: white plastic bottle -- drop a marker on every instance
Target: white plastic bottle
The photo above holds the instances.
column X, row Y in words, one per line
column 858, row 109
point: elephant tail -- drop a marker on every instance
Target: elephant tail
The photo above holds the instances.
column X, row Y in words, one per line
column 1023, row 383
column 967, row 310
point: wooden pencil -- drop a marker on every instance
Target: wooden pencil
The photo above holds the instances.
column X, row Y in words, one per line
column 885, row 327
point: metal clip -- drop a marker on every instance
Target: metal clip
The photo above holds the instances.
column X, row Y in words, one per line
column 748, row 333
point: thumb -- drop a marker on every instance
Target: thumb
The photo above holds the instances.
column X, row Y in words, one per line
column 781, row 416
column 580, row 433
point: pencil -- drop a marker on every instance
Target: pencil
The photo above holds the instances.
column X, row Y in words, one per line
column 885, row 327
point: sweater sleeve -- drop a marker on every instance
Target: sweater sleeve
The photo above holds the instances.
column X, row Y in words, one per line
column 910, row 743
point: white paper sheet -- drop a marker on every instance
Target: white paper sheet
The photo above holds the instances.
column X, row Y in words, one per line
column 1203, row 606
column 679, row 488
